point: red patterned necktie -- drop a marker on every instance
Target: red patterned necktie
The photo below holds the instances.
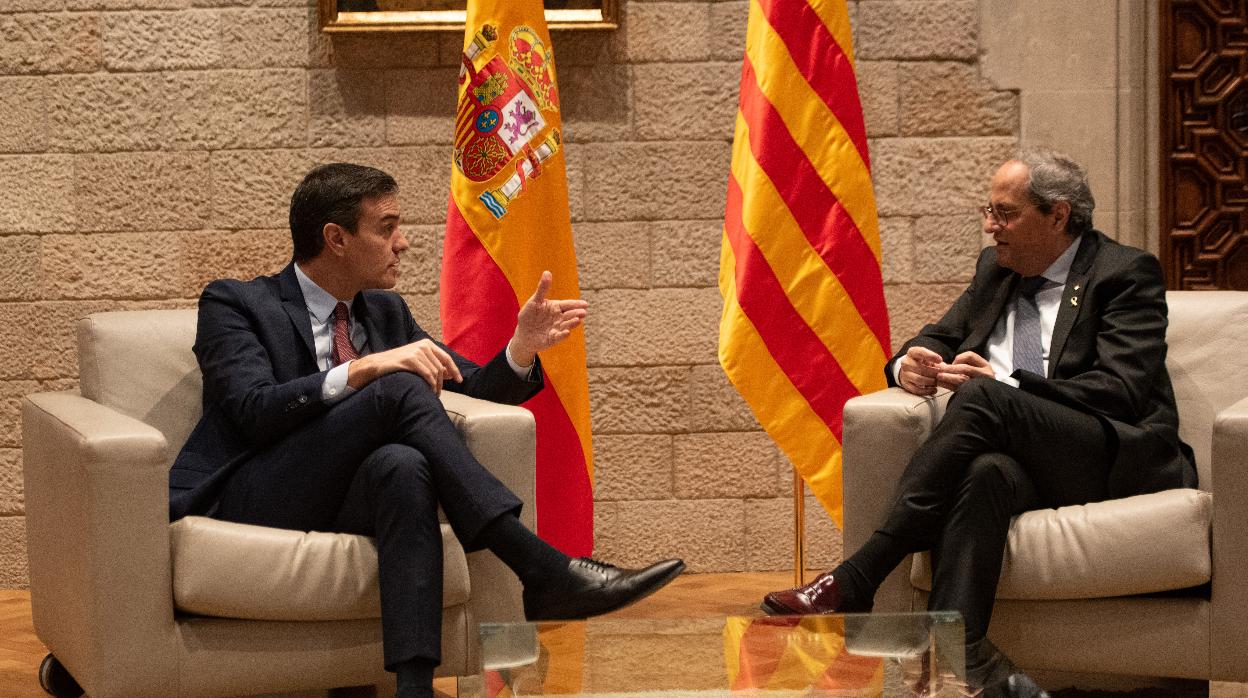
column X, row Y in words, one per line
column 344, row 350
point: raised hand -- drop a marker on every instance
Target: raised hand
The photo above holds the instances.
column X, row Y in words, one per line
column 543, row 322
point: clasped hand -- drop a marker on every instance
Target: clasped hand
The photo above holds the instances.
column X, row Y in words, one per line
column 423, row 357
column 923, row 370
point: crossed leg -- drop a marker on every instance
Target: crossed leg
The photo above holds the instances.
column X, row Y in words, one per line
column 379, row 463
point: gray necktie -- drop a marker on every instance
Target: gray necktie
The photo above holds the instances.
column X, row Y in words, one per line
column 1028, row 354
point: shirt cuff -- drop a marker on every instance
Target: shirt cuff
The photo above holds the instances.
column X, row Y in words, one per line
column 335, row 386
column 896, row 372
column 522, row 372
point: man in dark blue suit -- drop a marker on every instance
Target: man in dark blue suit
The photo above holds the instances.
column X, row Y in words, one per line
column 321, row 412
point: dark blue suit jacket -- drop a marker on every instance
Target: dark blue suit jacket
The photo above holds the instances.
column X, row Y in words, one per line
column 261, row 382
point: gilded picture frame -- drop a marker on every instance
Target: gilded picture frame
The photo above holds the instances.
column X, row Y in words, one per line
column 358, row 16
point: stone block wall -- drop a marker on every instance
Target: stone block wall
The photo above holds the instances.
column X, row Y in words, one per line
column 147, row 146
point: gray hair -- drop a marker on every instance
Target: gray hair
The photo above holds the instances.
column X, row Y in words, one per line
column 1054, row 177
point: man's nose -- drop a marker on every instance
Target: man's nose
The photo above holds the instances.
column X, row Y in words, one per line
column 400, row 242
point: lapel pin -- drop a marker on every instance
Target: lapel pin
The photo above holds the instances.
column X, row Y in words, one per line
column 1074, row 300
column 1076, row 287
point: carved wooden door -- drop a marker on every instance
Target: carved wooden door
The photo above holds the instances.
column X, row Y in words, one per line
column 1204, row 119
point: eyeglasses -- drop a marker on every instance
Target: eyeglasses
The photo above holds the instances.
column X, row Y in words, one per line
column 1000, row 216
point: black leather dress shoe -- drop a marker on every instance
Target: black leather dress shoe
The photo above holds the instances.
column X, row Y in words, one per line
column 996, row 675
column 593, row 588
column 1021, row 686
column 1014, row 684
column 822, row 595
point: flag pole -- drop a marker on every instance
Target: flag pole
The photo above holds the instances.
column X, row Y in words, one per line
column 799, row 529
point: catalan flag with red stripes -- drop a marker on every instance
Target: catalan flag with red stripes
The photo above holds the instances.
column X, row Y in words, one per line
column 507, row 222
column 797, row 653
column 804, row 326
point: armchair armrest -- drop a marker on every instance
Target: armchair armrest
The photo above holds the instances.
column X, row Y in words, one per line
column 1229, row 643
column 880, row 433
column 97, row 529
column 503, row 438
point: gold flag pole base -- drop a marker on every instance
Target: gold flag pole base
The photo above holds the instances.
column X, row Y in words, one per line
column 799, row 529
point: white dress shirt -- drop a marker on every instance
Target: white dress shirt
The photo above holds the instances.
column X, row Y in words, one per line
column 1048, row 301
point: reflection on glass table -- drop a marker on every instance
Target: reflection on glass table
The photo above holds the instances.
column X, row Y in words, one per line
column 811, row 656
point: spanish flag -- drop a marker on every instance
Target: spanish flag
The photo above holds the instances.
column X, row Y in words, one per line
column 804, row 325
column 507, row 222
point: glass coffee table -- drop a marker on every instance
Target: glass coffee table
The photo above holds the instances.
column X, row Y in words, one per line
column 812, row 657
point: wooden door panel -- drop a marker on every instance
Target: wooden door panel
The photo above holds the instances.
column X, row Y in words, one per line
column 1204, row 198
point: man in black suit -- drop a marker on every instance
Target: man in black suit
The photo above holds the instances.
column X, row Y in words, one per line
column 1056, row 356
column 321, row 412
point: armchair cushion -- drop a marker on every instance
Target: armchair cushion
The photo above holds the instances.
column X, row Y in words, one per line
column 1136, row 545
column 276, row 574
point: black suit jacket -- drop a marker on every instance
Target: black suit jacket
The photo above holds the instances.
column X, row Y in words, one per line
column 1106, row 357
column 255, row 349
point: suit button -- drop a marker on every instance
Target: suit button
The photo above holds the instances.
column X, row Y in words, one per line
column 303, row 399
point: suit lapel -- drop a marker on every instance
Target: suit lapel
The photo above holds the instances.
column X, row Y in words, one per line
column 377, row 340
column 296, row 307
column 984, row 323
column 1072, row 298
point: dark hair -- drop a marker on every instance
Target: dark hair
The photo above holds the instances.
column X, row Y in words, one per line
column 332, row 194
column 1054, row 177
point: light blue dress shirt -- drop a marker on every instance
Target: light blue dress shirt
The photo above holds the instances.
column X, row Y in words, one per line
column 321, row 304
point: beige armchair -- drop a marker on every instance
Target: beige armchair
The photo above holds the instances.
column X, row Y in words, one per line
column 1091, row 589
column 134, row 606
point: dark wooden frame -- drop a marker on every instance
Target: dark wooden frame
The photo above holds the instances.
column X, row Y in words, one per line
column 605, row 16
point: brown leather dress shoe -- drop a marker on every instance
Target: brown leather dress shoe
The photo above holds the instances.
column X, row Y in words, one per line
column 823, row 595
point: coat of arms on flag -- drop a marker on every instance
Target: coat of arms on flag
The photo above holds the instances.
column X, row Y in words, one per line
column 500, row 125
column 507, row 222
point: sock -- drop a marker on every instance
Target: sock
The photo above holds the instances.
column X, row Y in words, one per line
column 987, row 667
column 414, row 678
column 864, row 571
column 533, row 560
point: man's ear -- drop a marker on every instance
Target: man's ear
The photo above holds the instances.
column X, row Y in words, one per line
column 1061, row 215
column 335, row 239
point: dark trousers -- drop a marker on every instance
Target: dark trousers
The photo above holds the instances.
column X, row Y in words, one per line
column 379, row 463
column 999, row 451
